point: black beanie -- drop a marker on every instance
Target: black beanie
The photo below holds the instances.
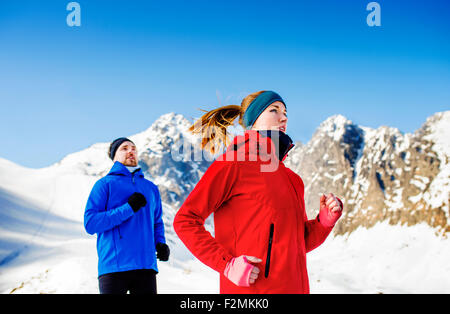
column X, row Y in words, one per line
column 115, row 145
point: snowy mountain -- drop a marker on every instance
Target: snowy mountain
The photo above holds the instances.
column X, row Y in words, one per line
column 395, row 184
column 381, row 174
column 41, row 210
column 161, row 157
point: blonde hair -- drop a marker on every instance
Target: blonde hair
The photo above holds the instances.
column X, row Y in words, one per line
column 213, row 124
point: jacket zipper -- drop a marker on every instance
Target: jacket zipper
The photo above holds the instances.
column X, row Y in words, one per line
column 269, row 251
column 133, row 181
column 132, row 176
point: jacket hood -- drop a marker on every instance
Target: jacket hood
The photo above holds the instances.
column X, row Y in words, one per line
column 255, row 146
column 119, row 169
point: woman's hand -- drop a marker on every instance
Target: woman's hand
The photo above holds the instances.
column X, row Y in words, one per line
column 330, row 210
column 255, row 270
column 240, row 272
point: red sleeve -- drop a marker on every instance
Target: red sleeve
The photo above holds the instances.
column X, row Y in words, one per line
column 315, row 233
column 211, row 191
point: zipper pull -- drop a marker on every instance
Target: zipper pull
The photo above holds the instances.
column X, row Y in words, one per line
column 132, row 176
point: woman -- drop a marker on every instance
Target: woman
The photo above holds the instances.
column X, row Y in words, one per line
column 262, row 233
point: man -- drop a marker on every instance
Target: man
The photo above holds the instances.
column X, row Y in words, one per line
column 124, row 209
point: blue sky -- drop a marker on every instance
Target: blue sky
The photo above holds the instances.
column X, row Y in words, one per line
column 65, row 88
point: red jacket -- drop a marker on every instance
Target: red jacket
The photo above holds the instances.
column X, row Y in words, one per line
column 256, row 213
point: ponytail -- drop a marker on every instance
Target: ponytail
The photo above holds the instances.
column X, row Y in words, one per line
column 213, row 124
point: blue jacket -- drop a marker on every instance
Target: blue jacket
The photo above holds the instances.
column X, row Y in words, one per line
column 125, row 240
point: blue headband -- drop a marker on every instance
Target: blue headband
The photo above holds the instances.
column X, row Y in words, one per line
column 258, row 105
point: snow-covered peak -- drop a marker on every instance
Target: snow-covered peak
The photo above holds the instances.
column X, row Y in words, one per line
column 335, row 127
column 94, row 160
column 168, row 127
column 381, row 137
column 170, row 121
column 335, row 122
column 336, row 119
column 437, row 130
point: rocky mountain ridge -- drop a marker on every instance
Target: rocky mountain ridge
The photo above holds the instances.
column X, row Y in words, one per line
column 380, row 174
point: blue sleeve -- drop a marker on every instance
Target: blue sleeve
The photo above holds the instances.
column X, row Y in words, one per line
column 96, row 218
column 158, row 224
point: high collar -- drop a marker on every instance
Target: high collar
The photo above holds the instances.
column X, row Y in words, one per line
column 119, row 169
column 253, row 146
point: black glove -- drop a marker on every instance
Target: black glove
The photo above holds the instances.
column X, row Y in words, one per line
column 163, row 252
column 136, row 201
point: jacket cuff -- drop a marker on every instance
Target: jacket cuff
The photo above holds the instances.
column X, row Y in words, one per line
column 325, row 227
column 222, row 263
column 126, row 211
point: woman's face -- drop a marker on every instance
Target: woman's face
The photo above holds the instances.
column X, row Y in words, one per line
column 273, row 118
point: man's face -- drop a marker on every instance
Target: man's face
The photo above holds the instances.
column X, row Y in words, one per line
column 126, row 154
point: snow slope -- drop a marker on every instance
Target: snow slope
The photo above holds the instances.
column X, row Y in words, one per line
column 42, row 251
column 43, row 245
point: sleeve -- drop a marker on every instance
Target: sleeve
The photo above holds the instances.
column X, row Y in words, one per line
column 315, row 233
column 96, row 218
column 158, row 223
column 213, row 189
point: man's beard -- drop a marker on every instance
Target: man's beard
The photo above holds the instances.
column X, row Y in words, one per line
column 130, row 162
